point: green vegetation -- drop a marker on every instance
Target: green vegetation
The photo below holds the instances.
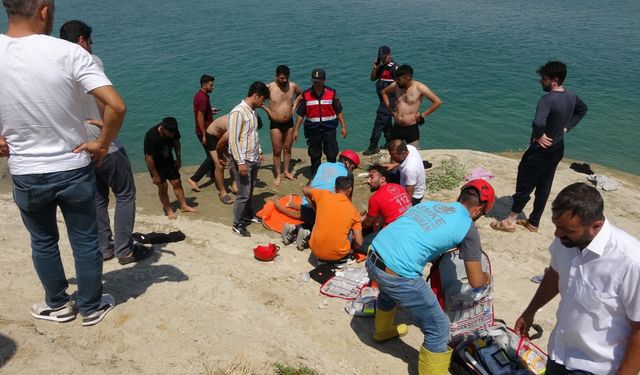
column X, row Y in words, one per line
column 300, row 369
column 446, row 176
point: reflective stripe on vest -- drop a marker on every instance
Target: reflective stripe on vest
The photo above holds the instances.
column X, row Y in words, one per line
column 321, row 110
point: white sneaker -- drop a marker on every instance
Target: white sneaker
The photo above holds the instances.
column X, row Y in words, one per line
column 62, row 314
column 288, row 234
column 107, row 303
column 302, row 241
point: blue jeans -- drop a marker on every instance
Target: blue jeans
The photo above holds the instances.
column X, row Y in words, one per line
column 415, row 296
column 38, row 196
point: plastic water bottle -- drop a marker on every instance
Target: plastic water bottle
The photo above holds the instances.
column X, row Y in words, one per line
column 305, row 277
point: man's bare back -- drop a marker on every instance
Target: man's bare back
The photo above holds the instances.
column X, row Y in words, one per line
column 219, row 126
column 281, row 100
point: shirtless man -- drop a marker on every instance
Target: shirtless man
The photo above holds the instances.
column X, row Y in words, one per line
column 407, row 116
column 217, row 143
column 281, row 109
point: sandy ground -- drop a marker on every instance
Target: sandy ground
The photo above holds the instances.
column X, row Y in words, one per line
column 205, row 306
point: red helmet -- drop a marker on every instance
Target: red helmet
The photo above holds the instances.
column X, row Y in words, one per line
column 266, row 253
column 351, row 155
column 485, row 190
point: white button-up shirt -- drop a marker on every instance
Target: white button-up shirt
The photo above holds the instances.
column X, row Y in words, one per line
column 600, row 294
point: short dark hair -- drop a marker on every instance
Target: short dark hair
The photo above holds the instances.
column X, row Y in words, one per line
column 380, row 169
column 206, row 78
column 554, row 69
column 404, row 70
column 579, row 199
column 258, row 88
column 343, row 183
column 23, row 8
column 472, row 196
column 170, row 124
column 72, row 30
column 282, row 69
column 398, row 145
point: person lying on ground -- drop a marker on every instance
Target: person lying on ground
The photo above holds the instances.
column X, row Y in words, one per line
column 325, row 179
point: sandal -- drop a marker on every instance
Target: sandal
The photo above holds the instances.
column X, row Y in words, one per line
column 526, row 224
column 227, row 199
column 499, row 225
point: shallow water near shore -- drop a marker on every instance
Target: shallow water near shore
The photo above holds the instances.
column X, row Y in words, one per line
column 479, row 58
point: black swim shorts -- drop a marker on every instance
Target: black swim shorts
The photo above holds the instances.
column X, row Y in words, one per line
column 212, row 141
column 167, row 170
column 282, row 126
column 408, row 134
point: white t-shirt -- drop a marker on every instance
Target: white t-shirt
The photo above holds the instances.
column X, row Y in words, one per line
column 599, row 294
column 43, row 81
column 93, row 112
column 412, row 172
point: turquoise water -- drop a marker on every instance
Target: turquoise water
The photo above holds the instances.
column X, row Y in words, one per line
column 479, row 57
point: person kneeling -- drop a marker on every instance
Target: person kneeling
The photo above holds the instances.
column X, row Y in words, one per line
column 399, row 254
column 336, row 219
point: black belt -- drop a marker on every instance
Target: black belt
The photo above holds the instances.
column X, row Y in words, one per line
column 380, row 263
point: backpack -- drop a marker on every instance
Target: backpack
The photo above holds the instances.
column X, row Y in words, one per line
column 482, row 344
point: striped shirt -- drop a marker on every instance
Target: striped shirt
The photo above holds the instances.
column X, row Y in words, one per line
column 243, row 134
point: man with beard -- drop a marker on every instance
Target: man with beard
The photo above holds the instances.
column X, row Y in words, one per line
column 203, row 113
column 43, row 83
column 558, row 112
column 280, row 110
column 386, row 204
column 407, row 116
column 595, row 268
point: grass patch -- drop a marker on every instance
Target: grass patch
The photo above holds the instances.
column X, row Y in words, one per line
column 299, row 369
column 446, row 176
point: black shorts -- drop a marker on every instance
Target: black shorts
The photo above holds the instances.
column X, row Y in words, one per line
column 167, row 170
column 408, row 134
column 212, row 141
column 282, row 126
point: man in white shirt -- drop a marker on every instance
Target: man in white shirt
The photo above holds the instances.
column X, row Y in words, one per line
column 595, row 267
column 409, row 163
column 113, row 173
column 246, row 154
column 44, row 80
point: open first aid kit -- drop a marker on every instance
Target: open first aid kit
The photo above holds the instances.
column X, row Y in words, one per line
column 482, row 344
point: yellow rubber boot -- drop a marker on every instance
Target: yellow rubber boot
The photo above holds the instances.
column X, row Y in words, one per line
column 385, row 328
column 434, row 363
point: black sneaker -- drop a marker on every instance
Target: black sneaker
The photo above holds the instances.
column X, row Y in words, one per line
column 252, row 220
column 138, row 253
column 107, row 303
column 371, row 151
column 240, row 231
